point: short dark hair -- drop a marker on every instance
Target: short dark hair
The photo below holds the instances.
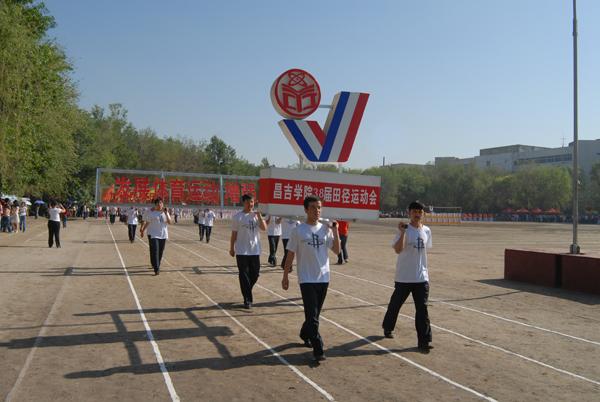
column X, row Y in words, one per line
column 309, row 199
column 247, row 197
column 52, row 204
column 157, row 200
column 416, row 205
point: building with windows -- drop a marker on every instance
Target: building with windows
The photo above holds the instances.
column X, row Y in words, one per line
column 512, row 157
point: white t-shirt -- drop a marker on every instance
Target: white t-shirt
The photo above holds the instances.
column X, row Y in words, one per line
column 157, row 228
column 247, row 227
column 310, row 244
column 411, row 266
column 287, row 225
column 132, row 216
column 112, row 210
column 274, row 228
column 23, row 211
column 209, row 218
column 54, row 214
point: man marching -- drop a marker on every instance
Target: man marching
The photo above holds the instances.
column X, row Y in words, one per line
column 245, row 246
column 309, row 242
column 411, row 244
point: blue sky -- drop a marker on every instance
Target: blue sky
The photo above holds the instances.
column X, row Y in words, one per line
column 446, row 77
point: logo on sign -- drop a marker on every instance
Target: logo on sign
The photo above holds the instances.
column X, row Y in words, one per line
column 296, row 95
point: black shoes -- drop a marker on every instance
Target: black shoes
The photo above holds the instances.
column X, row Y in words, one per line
column 247, row 305
column 319, row 357
column 424, row 348
column 307, row 343
column 388, row 334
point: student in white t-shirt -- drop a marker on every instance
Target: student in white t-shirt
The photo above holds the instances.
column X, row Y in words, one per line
column 209, row 220
column 310, row 242
column 287, row 225
column 201, row 228
column 156, row 221
column 54, row 223
column 411, row 244
column 23, row 217
column 274, row 233
column 244, row 245
column 112, row 211
column 132, row 222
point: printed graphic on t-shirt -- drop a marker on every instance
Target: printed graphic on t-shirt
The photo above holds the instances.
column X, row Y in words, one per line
column 420, row 245
column 250, row 225
column 315, row 241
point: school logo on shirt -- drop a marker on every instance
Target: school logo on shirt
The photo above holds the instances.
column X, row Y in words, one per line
column 315, row 242
column 296, row 95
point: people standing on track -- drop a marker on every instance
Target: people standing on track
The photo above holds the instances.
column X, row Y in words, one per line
column 287, row 225
column 3, row 223
column 274, row 233
column 411, row 244
column 132, row 222
column 14, row 216
column 209, row 220
column 112, row 211
column 156, row 221
column 63, row 217
column 343, row 227
column 176, row 213
column 23, row 217
column 54, row 213
column 245, row 246
column 310, row 241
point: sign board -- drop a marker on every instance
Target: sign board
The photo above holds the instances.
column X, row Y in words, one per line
column 345, row 196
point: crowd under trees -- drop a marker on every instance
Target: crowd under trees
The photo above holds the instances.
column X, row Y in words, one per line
column 50, row 147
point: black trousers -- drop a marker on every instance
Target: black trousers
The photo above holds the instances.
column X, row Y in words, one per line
column 420, row 294
column 343, row 255
column 112, row 219
column 249, row 271
column 285, row 242
column 201, row 231
column 273, row 244
column 53, row 233
column 207, row 232
column 157, row 246
column 313, row 297
column 131, row 230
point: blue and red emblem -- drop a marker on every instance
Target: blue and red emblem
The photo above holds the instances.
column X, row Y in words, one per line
column 295, row 95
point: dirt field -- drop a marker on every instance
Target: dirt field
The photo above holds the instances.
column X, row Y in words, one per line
column 90, row 321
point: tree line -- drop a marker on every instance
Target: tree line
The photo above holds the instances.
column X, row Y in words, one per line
column 50, row 147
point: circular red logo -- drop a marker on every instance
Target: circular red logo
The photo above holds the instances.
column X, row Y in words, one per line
column 295, row 94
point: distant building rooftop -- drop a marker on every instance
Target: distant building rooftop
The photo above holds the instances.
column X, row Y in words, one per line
column 517, row 148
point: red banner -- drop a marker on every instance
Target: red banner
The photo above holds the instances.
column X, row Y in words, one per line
column 334, row 195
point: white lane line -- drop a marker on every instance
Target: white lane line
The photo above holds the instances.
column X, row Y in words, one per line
column 463, row 307
column 159, row 358
column 310, row 382
column 415, row 364
column 37, row 342
column 498, row 348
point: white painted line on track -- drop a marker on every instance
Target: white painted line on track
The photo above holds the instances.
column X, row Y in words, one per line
column 462, row 307
column 159, row 358
column 378, row 346
column 38, row 339
column 310, row 382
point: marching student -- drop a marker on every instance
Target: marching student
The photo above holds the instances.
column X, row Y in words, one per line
column 54, row 213
column 244, row 245
column 132, row 222
column 287, row 225
column 112, row 211
column 156, row 221
column 274, row 233
column 310, row 241
column 411, row 244
column 209, row 220
column 201, row 228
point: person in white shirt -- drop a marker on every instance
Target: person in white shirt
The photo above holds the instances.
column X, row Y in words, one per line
column 132, row 222
column 23, row 217
column 176, row 213
column 274, row 233
column 156, row 221
column 310, row 242
column 209, row 220
column 411, row 244
column 54, row 223
column 112, row 211
column 244, row 245
column 287, row 225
